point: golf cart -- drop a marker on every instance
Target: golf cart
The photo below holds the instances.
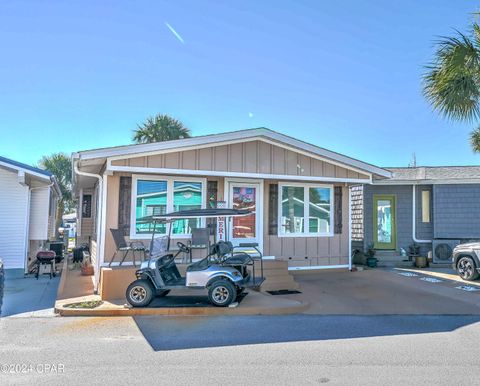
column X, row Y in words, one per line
column 224, row 273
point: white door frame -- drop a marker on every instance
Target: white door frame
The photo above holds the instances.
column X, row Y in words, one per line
column 257, row 183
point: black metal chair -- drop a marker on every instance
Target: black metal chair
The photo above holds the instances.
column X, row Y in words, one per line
column 122, row 246
column 200, row 240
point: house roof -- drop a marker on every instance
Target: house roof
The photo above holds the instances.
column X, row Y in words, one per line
column 434, row 173
column 31, row 170
column 212, row 139
column 24, row 167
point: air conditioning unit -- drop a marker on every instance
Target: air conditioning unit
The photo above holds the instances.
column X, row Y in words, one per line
column 442, row 250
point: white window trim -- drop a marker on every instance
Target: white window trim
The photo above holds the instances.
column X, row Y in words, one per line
column 306, row 210
column 169, row 180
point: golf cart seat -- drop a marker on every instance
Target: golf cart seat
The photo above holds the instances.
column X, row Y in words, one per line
column 198, row 266
column 238, row 259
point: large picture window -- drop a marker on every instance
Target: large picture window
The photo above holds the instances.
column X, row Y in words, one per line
column 305, row 210
column 153, row 197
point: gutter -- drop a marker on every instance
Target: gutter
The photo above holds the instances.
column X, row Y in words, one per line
column 414, row 221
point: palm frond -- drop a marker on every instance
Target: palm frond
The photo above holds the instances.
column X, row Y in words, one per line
column 475, row 140
column 160, row 128
column 452, row 82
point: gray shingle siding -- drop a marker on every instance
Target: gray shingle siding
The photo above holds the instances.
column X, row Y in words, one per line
column 424, row 231
column 457, row 211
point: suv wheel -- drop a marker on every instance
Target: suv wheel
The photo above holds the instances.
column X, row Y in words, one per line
column 222, row 293
column 466, row 268
column 139, row 293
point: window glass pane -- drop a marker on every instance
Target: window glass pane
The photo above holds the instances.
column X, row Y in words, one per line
column 292, row 209
column 244, row 198
column 320, row 208
column 186, row 195
column 151, row 200
column 384, row 221
column 425, row 206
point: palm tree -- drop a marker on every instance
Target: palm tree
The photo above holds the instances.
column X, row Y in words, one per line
column 159, row 128
column 452, row 83
column 59, row 165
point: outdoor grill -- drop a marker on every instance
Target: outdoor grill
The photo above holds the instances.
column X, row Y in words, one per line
column 46, row 258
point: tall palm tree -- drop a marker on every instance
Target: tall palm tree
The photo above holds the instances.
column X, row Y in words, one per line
column 452, row 83
column 159, row 128
column 59, row 165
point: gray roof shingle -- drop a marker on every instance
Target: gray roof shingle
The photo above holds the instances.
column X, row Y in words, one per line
column 434, row 173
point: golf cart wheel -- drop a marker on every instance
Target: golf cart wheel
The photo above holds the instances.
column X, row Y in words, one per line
column 139, row 293
column 467, row 269
column 222, row 293
column 163, row 293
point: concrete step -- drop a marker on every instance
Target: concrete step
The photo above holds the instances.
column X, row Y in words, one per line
column 396, row 257
column 395, row 264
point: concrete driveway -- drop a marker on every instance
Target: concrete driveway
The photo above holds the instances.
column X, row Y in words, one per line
column 383, row 291
column 27, row 296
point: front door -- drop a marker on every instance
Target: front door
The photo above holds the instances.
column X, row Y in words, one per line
column 384, row 227
column 245, row 195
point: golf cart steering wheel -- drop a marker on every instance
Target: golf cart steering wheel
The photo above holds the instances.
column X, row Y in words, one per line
column 166, row 260
column 182, row 247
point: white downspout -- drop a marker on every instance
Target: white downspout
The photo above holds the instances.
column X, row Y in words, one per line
column 414, row 222
column 349, row 228
column 99, row 215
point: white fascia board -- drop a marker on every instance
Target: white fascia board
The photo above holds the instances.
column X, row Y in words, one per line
column 284, row 177
column 232, row 137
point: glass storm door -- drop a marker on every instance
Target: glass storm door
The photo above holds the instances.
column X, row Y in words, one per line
column 245, row 229
column 384, row 229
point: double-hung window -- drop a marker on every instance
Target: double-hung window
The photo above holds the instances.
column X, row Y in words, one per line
column 156, row 196
column 305, row 210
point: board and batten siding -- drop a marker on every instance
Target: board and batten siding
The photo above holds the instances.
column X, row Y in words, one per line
column 308, row 251
column 13, row 217
column 39, row 216
column 249, row 157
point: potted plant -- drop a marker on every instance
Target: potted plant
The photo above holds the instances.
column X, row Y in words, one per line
column 413, row 250
column 370, row 254
column 87, row 267
column 414, row 254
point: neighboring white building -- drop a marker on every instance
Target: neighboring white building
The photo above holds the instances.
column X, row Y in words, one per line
column 28, row 206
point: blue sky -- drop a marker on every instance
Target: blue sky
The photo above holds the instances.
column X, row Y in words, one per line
column 344, row 75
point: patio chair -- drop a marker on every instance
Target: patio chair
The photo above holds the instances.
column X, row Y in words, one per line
column 122, row 246
column 200, row 240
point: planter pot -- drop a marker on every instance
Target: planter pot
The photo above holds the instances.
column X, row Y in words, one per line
column 372, row 262
column 420, row 261
column 87, row 270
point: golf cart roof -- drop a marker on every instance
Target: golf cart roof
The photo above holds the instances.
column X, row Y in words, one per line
column 203, row 213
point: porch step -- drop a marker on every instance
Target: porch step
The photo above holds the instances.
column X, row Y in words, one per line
column 276, row 276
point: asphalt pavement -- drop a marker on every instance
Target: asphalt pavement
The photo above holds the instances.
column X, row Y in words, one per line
column 239, row 350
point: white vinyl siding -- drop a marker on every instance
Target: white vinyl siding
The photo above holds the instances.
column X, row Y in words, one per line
column 13, row 217
column 39, row 205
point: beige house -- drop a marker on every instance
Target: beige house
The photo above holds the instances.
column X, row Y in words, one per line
column 299, row 193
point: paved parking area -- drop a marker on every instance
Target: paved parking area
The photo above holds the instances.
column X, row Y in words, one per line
column 384, row 291
column 27, row 296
